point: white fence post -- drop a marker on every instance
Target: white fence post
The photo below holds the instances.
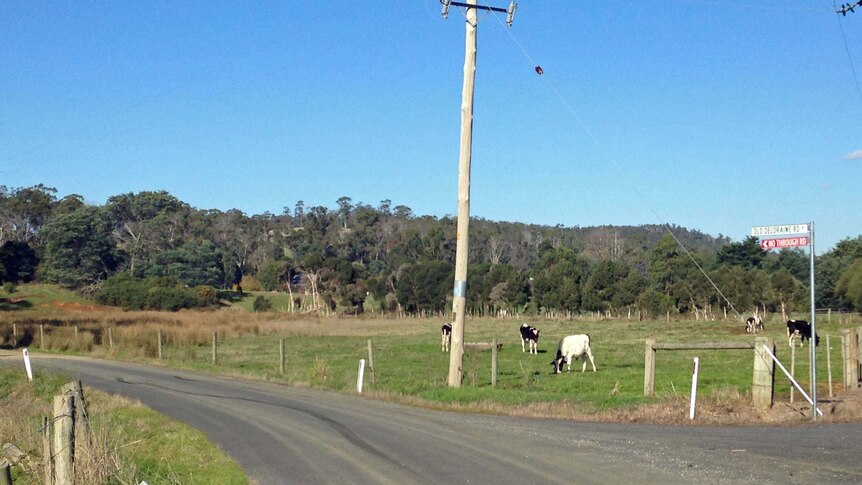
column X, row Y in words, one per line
column 27, row 365
column 359, row 377
column 693, row 388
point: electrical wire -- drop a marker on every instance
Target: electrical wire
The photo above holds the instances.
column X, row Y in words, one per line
column 849, row 57
column 612, row 160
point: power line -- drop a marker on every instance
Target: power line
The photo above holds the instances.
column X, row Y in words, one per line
column 613, row 161
column 843, row 11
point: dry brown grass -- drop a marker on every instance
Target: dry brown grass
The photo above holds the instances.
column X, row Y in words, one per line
column 138, row 330
column 98, row 460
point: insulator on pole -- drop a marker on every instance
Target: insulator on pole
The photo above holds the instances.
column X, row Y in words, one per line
column 446, row 4
column 510, row 13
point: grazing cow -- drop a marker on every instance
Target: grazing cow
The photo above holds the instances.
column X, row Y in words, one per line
column 570, row 347
column 803, row 330
column 529, row 337
column 445, row 337
column 753, row 324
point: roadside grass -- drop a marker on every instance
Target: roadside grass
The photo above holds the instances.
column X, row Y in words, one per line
column 131, row 443
column 409, row 366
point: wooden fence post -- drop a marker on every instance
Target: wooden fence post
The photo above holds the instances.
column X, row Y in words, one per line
column 42, row 336
column 649, row 367
column 215, row 348
column 858, row 355
column 110, row 338
column 47, row 451
column 5, row 474
column 763, row 383
column 792, row 370
column 849, row 348
column 494, row 363
column 159, row 337
column 64, row 439
column 82, row 416
column 371, row 363
column 281, row 355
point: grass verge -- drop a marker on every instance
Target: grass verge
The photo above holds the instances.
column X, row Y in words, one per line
column 131, row 443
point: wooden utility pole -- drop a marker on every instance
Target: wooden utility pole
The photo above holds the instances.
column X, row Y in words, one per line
column 459, row 300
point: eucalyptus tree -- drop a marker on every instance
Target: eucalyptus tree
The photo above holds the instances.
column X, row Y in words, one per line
column 787, row 291
column 237, row 239
column 746, row 254
column 344, row 209
column 78, row 249
column 601, row 288
column 830, row 266
column 23, row 212
column 424, row 286
column 195, row 263
column 18, row 262
column 849, row 286
column 141, row 224
column 558, row 280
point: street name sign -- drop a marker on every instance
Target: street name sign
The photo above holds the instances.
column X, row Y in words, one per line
column 784, row 242
column 759, row 231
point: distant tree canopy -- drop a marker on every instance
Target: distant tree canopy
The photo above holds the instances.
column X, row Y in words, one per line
column 357, row 257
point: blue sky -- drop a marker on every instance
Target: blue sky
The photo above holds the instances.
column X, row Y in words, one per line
column 712, row 115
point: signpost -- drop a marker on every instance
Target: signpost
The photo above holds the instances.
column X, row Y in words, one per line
column 797, row 239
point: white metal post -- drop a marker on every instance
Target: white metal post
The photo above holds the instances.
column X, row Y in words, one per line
column 813, row 330
column 693, row 388
column 359, row 377
column 27, row 365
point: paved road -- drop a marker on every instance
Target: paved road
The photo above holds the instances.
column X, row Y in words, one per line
column 281, row 434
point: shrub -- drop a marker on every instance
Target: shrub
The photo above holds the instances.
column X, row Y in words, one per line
column 250, row 283
column 9, row 287
column 123, row 290
column 171, row 298
column 160, row 293
column 262, row 304
column 208, row 295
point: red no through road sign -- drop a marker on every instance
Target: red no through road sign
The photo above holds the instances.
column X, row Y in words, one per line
column 784, row 242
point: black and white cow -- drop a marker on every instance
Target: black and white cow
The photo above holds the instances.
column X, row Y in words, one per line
column 529, row 338
column 753, row 324
column 803, row 330
column 445, row 337
column 572, row 347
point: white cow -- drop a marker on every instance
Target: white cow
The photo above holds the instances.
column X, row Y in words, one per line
column 573, row 346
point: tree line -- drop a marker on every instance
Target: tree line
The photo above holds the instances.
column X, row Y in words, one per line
column 357, row 257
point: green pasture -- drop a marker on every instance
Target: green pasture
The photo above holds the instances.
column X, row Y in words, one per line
column 35, row 297
column 408, row 362
column 413, row 365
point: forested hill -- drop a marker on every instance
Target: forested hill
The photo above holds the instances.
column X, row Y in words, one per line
column 356, row 257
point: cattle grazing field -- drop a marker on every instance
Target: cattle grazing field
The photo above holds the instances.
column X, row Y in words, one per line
column 409, row 365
